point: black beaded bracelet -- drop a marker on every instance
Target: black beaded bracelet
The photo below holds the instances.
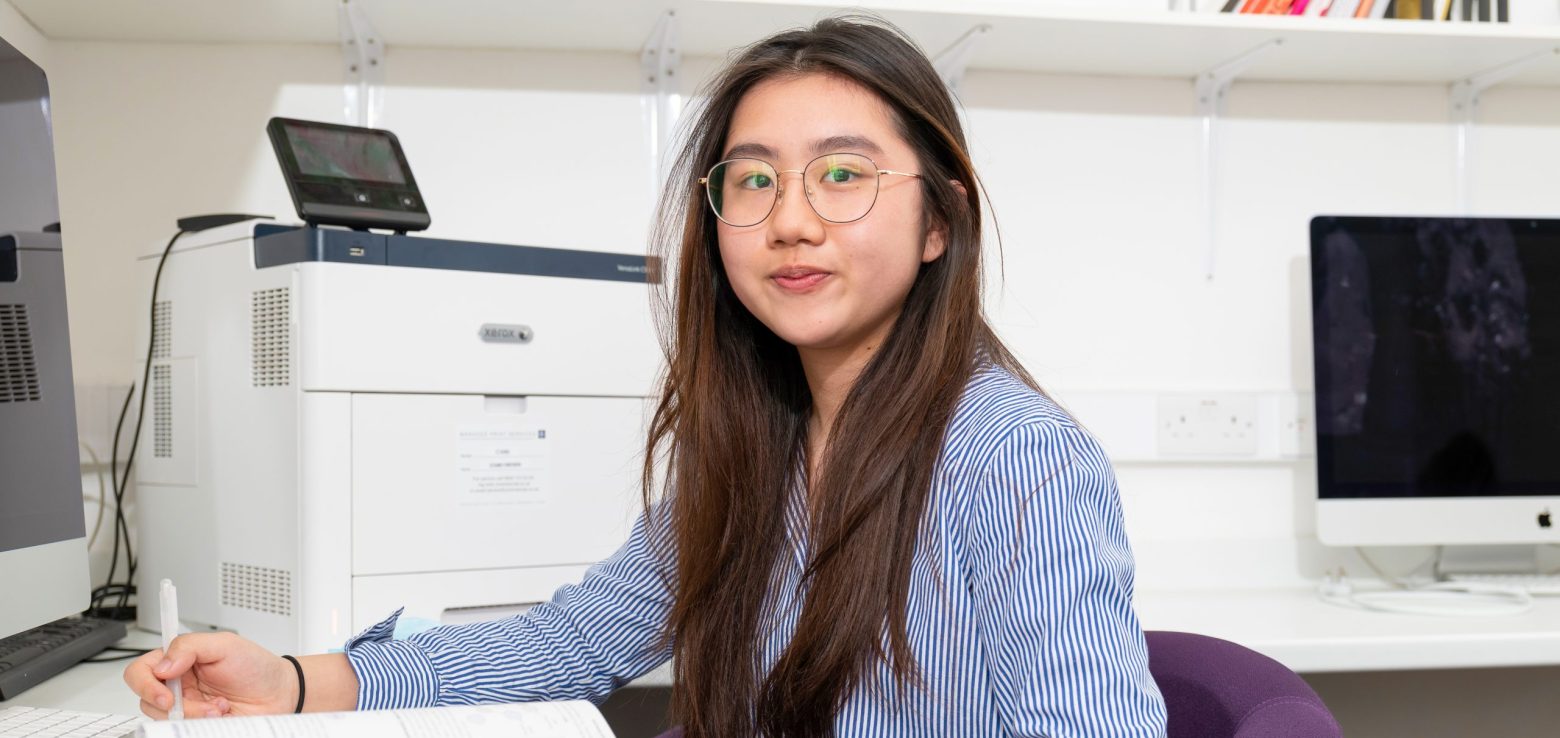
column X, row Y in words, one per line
column 299, row 668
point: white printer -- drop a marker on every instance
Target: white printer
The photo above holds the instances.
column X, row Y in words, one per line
column 341, row 423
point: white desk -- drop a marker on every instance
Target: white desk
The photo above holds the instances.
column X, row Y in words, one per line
column 1311, row 636
column 1292, row 626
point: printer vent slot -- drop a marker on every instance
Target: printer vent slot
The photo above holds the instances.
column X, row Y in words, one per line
column 271, row 337
column 162, row 330
column 162, row 411
column 257, row 588
column 18, row 364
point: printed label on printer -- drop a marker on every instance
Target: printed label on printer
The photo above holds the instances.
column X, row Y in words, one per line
column 504, row 333
column 504, row 464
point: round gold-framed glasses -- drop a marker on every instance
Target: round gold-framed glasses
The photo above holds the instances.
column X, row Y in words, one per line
column 841, row 188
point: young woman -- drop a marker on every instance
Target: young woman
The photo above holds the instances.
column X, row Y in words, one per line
column 873, row 522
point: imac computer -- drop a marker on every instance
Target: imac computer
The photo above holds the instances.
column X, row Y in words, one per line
column 44, row 575
column 1437, row 356
column 43, row 547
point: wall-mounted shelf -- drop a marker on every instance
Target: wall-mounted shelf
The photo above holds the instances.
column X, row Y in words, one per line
column 1025, row 35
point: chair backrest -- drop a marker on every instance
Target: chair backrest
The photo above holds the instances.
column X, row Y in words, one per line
column 1217, row 689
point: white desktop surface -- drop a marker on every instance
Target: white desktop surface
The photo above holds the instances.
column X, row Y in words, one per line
column 1291, row 625
column 1295, row 627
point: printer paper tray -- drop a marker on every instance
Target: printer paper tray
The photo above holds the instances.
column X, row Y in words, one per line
column 447, row 597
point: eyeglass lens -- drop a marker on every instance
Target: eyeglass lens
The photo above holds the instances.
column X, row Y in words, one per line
column 840, row 187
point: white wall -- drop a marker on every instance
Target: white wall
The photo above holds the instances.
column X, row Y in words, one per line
column 501, row 144
column 23, row 35
column 1093, row 180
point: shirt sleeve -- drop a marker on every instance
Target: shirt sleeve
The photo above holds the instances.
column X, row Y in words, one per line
column 1051, row 573
column 590, row 639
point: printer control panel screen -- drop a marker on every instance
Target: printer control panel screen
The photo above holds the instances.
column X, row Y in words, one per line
column 347, row 175
column 360, row 155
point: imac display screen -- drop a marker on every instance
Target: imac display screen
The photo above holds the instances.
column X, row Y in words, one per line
column 1437, row 350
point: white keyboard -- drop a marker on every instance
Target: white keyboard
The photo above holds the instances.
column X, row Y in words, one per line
column 38, row 722
column 1537, row 585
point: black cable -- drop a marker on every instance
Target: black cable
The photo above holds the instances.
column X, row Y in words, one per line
column 104, row 592
column 140, row 413
column 109, row 588
column 123, row 483
column 119, row 485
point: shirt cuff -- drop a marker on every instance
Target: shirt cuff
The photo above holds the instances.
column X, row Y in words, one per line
column 391, row 674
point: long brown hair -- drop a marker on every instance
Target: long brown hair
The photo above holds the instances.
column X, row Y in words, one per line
column 732, row 418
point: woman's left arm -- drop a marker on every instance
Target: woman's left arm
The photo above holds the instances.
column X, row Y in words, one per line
column 1051, row 574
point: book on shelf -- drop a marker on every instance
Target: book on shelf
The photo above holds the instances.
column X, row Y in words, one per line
column 1431, row 10
column 1472, row 11
column 1343, row 8
column 1498, row 11
column 519, row 720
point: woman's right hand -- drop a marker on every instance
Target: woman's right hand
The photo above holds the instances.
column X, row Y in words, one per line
column 222, row 673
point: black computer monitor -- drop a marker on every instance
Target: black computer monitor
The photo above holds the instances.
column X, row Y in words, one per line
column 1437, row 346
column 43, row 547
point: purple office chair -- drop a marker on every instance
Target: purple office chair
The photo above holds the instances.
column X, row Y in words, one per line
column 1217, row 689
column 1214, row 688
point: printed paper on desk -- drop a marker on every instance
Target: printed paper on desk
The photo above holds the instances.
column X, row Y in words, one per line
column 578, row 719
column 504, row 464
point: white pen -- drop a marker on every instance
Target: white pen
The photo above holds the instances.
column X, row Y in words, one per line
column 170, row 628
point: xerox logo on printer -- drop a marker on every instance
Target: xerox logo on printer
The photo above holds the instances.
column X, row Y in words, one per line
column 503, row 333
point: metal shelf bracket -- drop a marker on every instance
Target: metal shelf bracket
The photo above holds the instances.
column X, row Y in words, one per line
column 660, row 104
column 363, row 60
column 1465, row 109
column 1212, row 89
column 951, row 62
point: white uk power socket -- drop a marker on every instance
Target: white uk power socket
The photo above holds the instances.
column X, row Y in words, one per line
column 1208, row 425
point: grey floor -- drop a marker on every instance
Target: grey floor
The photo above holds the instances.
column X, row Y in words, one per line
column 637, row 712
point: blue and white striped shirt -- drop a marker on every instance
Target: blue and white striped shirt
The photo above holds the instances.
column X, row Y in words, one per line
column 1039, row 640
